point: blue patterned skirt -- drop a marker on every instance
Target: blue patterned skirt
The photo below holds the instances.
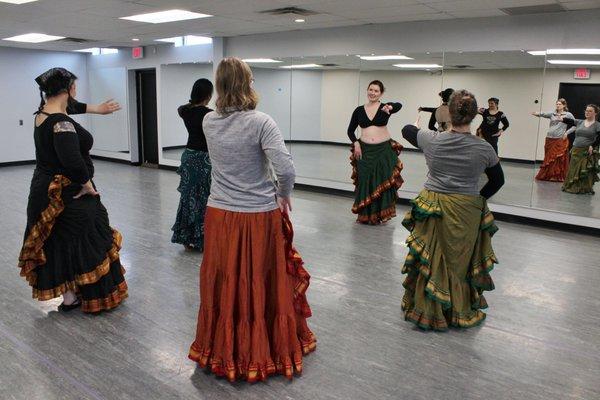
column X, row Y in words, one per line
column 194, row 187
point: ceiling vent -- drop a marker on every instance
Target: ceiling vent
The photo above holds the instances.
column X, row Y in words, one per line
column 462, row 66
column 75, row 40
column 296, row 11
column 527, row 10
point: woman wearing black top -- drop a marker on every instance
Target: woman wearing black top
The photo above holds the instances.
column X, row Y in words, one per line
column 490, row 126
column 69, row 247
column 440, row 116
column 194, row 170
column 375, row 164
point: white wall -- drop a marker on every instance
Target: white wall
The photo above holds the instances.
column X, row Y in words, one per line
column 274, row 89
column 19, row 95
column 306, row 105
column 110, row 131
column 339, row 97
column 177, row 81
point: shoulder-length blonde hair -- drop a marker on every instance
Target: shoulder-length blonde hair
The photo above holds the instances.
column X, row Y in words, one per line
column 234, row 86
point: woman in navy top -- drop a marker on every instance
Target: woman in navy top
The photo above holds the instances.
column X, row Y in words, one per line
column 375, row 164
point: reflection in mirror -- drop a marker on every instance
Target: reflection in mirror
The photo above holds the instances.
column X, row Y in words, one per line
column 572, row 75
column 508, row 87
column 111, row 132
column 177, row 81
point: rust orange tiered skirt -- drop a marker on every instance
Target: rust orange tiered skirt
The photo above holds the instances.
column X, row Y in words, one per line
column 556, row 160
column 253, row 307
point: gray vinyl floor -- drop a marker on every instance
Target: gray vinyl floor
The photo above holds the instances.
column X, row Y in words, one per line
column 541, row 339
column 329, row 163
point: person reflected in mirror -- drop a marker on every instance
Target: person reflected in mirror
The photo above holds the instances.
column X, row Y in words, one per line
column 70, row 249
column 252, row 320
column 194, row 170
column 583, row 167
column 556, row 149
column 440, row 116
column 375, row 164
column 450, row 252
column 490, row 129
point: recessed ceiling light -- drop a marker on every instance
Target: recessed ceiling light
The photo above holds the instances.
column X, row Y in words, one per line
column 34, row 38
column 135, row 39
column 92, row 50
column 166, row 16
column 299, row 20
column 574, row 62
column 418, row 66
column 17, row 1
column 537, row 52
column 300, row 66
column 260, row 60
column 573, row 51
column 378, row 58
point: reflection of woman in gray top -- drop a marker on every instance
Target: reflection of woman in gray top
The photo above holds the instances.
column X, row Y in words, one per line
column 583, row 168
column 556, row 149
column 253, row 308
column 450, row 224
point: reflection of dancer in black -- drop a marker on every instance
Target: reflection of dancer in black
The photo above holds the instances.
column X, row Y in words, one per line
column 375, row 164
column 490, row 126
column 440, row 116
column 195, row 170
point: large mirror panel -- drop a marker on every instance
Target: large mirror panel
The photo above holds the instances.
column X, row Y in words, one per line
column 111, row 132
column 572, row 75
column 177, row 81
column 515, row 80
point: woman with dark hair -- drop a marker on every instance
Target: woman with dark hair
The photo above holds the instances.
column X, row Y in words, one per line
column 556, row 149
column 583, row 167
column 253, row 307
column 194, row 170
column 440, row 116
column 490, row 126
column 69, row 247
column 375, row 165
column 450, row 252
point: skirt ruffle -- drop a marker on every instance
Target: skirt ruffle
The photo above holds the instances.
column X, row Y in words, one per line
column 71, row 247
column 194, row 186
column 377, row 178
column 583, row 171
column 449, row 262
column 253, row 308
column 556, row 160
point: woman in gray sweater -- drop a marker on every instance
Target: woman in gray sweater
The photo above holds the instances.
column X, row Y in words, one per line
column 253, row 307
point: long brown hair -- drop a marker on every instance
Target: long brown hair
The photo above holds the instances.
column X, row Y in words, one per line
column 564, row 103
column 234, row 86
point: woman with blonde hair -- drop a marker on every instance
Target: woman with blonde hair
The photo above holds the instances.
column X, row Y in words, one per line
column 450, row 251
column 556, row 149
column 253, row 307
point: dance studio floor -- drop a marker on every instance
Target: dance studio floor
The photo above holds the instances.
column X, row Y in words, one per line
column 329, row 164
column 541, row 339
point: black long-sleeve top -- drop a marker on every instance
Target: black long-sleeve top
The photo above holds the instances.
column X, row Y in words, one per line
column 477, row 154
column 192, row 118
column 491, row 123
column 432, row 119
column 76, row 107
column 360, row 118
column 62, row 147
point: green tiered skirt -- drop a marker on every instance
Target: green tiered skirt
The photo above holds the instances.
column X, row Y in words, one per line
column 583, row 171
column 449, row 261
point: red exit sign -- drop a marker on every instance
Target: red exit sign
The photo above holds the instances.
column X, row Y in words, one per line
column 137, row 52
column 582, row 73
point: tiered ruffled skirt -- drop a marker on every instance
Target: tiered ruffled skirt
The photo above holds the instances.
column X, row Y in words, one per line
column 583, row 171
column 449, row 261
column 556, row 160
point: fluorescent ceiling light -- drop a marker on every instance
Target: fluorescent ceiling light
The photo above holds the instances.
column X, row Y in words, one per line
column 34, row 38
column 419, row 66
column 192, row 40
column 166, row 16
column 299, row 20
column 574, row 62
column 96, row 51
column 105, row 50
column 301, row 66
column 260, row 60
column 573, row 51
column 177, row 40
column 378, row 58
column 17, row 1
column 537, row 52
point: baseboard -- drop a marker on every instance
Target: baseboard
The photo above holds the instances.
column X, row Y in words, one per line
column 17, row 163
column 167, row 167
column 115, row 160
column 174, row 147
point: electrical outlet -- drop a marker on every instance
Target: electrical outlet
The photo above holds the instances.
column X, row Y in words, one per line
column 20, row 122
